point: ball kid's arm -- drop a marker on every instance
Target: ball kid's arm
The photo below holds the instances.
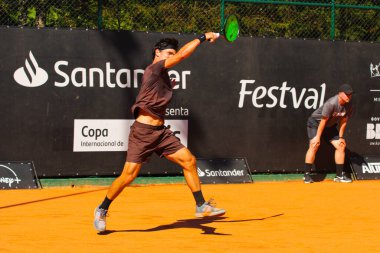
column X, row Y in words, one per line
column 342, row 128
column 317, row 139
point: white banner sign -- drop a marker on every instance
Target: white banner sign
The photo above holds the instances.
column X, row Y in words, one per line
column 99, row 135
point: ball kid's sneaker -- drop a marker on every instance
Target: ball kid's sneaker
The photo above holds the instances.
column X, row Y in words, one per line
column 307, row 178
column 342, row 179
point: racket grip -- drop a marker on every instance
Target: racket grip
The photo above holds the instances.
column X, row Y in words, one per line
column 216, row 35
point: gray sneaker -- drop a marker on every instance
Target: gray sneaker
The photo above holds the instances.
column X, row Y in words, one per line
column 208, row 209
column 307, row 178
column 342, row 179
column 100, row 219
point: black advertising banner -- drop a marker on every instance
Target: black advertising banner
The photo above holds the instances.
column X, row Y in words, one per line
column 67, row 94
column 366, row 167
column 18, row 175
column 223, row 171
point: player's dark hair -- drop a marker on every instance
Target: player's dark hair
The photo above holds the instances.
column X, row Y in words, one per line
column 166, row 43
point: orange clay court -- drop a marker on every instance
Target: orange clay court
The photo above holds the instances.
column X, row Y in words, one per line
column 261, row 217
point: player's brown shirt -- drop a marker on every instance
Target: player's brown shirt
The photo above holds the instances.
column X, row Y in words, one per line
column 156, row 91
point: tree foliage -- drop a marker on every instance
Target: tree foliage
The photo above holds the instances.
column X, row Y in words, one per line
column 196, row 16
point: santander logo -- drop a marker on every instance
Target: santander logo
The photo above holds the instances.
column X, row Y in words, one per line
column 31, row 75
column 200, row 172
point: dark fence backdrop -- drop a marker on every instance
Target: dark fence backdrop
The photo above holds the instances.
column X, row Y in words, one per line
column 247, row 99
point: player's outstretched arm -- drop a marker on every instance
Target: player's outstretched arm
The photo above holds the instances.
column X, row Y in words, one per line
column 189, row 48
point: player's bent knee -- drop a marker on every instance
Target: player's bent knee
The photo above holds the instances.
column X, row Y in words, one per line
column 189, row 162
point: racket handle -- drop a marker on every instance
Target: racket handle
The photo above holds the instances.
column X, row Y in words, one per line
column 216, row 35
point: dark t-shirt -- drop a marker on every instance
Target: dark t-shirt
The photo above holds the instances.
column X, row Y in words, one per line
column 332, row 110
column 156, row 91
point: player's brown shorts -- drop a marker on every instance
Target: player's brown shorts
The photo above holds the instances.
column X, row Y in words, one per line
column 146, row 139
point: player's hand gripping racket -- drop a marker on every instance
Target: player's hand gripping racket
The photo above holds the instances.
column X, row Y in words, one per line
column 230, row 29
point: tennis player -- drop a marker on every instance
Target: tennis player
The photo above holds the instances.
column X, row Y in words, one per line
column 148, row 133
column 329, row 122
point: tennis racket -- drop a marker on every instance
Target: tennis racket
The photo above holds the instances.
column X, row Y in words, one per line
column 230, row 29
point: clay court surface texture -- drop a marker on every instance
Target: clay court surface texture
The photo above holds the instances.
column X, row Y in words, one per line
column 261, row 217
